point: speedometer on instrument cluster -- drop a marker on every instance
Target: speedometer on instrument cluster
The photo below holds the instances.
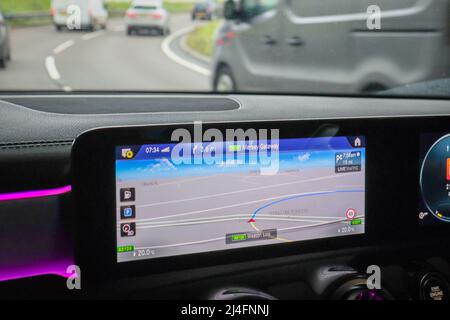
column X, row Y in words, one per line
column 435, row 179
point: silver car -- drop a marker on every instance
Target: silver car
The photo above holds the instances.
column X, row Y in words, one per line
column 322, row 46
column 147, row 15
column 5, row 47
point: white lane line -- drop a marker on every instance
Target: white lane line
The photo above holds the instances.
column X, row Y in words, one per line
column 53, row 72
column 59, row 49
column 93, row 35
column 246, row 190
column 51, row 68
column 50, row 64
column 165, row 46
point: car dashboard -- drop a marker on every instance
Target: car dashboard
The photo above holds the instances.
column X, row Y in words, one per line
column 73, row 187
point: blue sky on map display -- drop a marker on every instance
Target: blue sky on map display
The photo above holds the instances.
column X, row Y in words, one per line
column 164, row 168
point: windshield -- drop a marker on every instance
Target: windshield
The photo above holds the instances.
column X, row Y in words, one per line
column 325, row 47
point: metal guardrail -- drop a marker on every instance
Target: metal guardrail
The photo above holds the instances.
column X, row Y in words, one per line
column 116, row 12
column 27, row 15
column 44, row 15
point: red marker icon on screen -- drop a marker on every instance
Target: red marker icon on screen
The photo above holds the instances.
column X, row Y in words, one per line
column 350, row 214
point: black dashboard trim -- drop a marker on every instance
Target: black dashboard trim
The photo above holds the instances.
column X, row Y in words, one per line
column 35, row 144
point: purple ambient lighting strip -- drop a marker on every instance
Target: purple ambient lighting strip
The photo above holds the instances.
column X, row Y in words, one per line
column 34, row 194
column 57, row 267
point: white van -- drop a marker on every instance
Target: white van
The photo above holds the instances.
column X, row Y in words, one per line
column 93, row 13
column 331, row 46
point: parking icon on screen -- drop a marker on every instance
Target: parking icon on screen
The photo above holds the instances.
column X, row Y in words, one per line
column 127, row 212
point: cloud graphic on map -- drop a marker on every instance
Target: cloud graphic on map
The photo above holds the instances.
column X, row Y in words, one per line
column 162, row 165
column 304, row 157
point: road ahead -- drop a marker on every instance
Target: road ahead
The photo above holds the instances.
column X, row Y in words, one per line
column 43, row 59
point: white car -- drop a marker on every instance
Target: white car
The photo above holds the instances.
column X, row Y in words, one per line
column 92, row 14
column 147, row 15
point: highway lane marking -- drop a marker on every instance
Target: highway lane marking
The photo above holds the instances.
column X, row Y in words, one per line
column 93, row 35
column 52, row 71
column 165, row 46
column 244, row 190
column 50, row 64
column 240, row 204
column 64, row 46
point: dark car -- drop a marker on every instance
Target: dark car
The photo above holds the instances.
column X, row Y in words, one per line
column 204, row 10
column 5, row 48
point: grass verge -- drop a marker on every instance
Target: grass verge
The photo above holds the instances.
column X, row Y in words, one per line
column 201, row 40
column 21, row 6
column 173, row 7
column 17, row 6
column 14, row 6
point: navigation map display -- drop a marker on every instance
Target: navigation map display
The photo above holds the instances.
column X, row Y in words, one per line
column 218, row 196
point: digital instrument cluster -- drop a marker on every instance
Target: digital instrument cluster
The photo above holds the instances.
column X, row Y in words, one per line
column 435, row 179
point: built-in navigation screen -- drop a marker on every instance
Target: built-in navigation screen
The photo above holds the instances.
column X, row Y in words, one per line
column 183, row 198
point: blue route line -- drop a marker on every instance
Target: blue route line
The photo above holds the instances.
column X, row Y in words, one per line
column 304, row 196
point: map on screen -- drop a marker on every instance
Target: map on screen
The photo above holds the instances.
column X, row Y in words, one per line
column 165, row 207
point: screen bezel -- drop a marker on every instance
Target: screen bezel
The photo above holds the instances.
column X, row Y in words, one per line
column 94, row 188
